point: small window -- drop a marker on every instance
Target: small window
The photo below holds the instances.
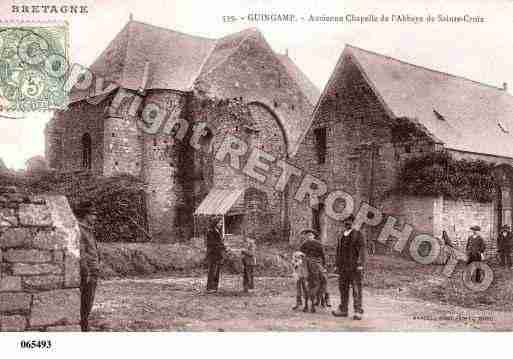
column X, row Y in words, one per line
column 234, row 224
column 321, row 144
column 86, row 151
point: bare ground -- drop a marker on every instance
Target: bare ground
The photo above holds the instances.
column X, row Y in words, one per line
column 398, row 296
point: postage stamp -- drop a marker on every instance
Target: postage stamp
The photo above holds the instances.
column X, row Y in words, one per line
column 33, row 66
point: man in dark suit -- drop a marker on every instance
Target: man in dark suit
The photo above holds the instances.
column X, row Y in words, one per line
column 215, row 254
column 504, row 242
column 350, row 261
column 475, row 250
column 89, row 260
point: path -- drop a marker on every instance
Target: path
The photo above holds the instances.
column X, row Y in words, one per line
column 180, row 304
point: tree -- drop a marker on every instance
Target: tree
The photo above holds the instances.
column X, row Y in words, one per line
column 3, row 167
column 36, row 165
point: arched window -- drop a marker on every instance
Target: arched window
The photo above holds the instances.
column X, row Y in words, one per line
column 86, row 151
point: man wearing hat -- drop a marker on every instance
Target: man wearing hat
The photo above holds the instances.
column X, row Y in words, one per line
column 475, row 249
column 89, row 260
column 215, row 253
column 350, row 260
column 504, row 242
column 315, row 263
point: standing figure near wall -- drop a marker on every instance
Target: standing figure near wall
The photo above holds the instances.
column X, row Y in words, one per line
column 504, row 243
column 351, row 259
column 248, row 263
column 475, row 249
column 89, row 261
column 215, row 254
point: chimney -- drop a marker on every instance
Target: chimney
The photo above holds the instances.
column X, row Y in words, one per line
column 505, row 86
column 131, row 17
column 287, row 52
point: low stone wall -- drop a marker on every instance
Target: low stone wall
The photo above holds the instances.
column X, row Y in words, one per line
column 39, row 263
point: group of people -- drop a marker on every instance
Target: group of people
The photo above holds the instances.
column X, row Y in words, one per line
column 216, row 253
column 350, row 260
column 476, row 247
column 351, row 255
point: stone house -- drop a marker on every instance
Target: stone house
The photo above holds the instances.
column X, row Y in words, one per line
column 376, row 112
column 235, row 84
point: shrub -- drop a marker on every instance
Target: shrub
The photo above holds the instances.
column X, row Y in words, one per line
column 437, row 173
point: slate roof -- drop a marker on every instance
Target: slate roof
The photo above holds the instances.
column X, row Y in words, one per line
column 176, row 59
column 311, row 91
column 462, row 114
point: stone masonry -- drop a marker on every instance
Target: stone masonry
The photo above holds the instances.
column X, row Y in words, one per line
column 239, row 70
column 39, row 263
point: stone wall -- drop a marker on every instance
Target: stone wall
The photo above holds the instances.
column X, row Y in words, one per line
column 354, row 118
column 178, row 179
column 122, row 140
column 39, row 264
column 255, row 73
column 163, row 158
column 64, row 135
column 459, row 216
column 419, row 212
column 363, row 151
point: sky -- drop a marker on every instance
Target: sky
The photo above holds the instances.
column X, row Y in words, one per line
column 479, row 51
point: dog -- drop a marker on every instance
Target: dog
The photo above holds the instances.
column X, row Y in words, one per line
column 303, row 288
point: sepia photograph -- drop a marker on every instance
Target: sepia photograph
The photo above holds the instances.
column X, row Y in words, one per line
column 255, row 166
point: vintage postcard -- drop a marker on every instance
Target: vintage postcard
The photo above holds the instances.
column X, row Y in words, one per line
column 255, row 166
column 33, row 66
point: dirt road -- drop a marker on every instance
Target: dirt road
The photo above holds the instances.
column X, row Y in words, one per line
column 180, row 304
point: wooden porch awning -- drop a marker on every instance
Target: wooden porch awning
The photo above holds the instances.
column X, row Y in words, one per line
column 218, row 202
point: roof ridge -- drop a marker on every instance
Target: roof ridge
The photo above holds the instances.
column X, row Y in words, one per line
column 171, row 30
column 203, row 63
column 428, row 69
column 128, row 38
column 248, row 30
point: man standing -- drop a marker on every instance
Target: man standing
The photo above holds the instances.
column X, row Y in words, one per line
column 215, row 254
column 89, row 261
column 350, row 260
column 475, row 249
column 504, row 242
column 248, row 263
column 315, row 263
